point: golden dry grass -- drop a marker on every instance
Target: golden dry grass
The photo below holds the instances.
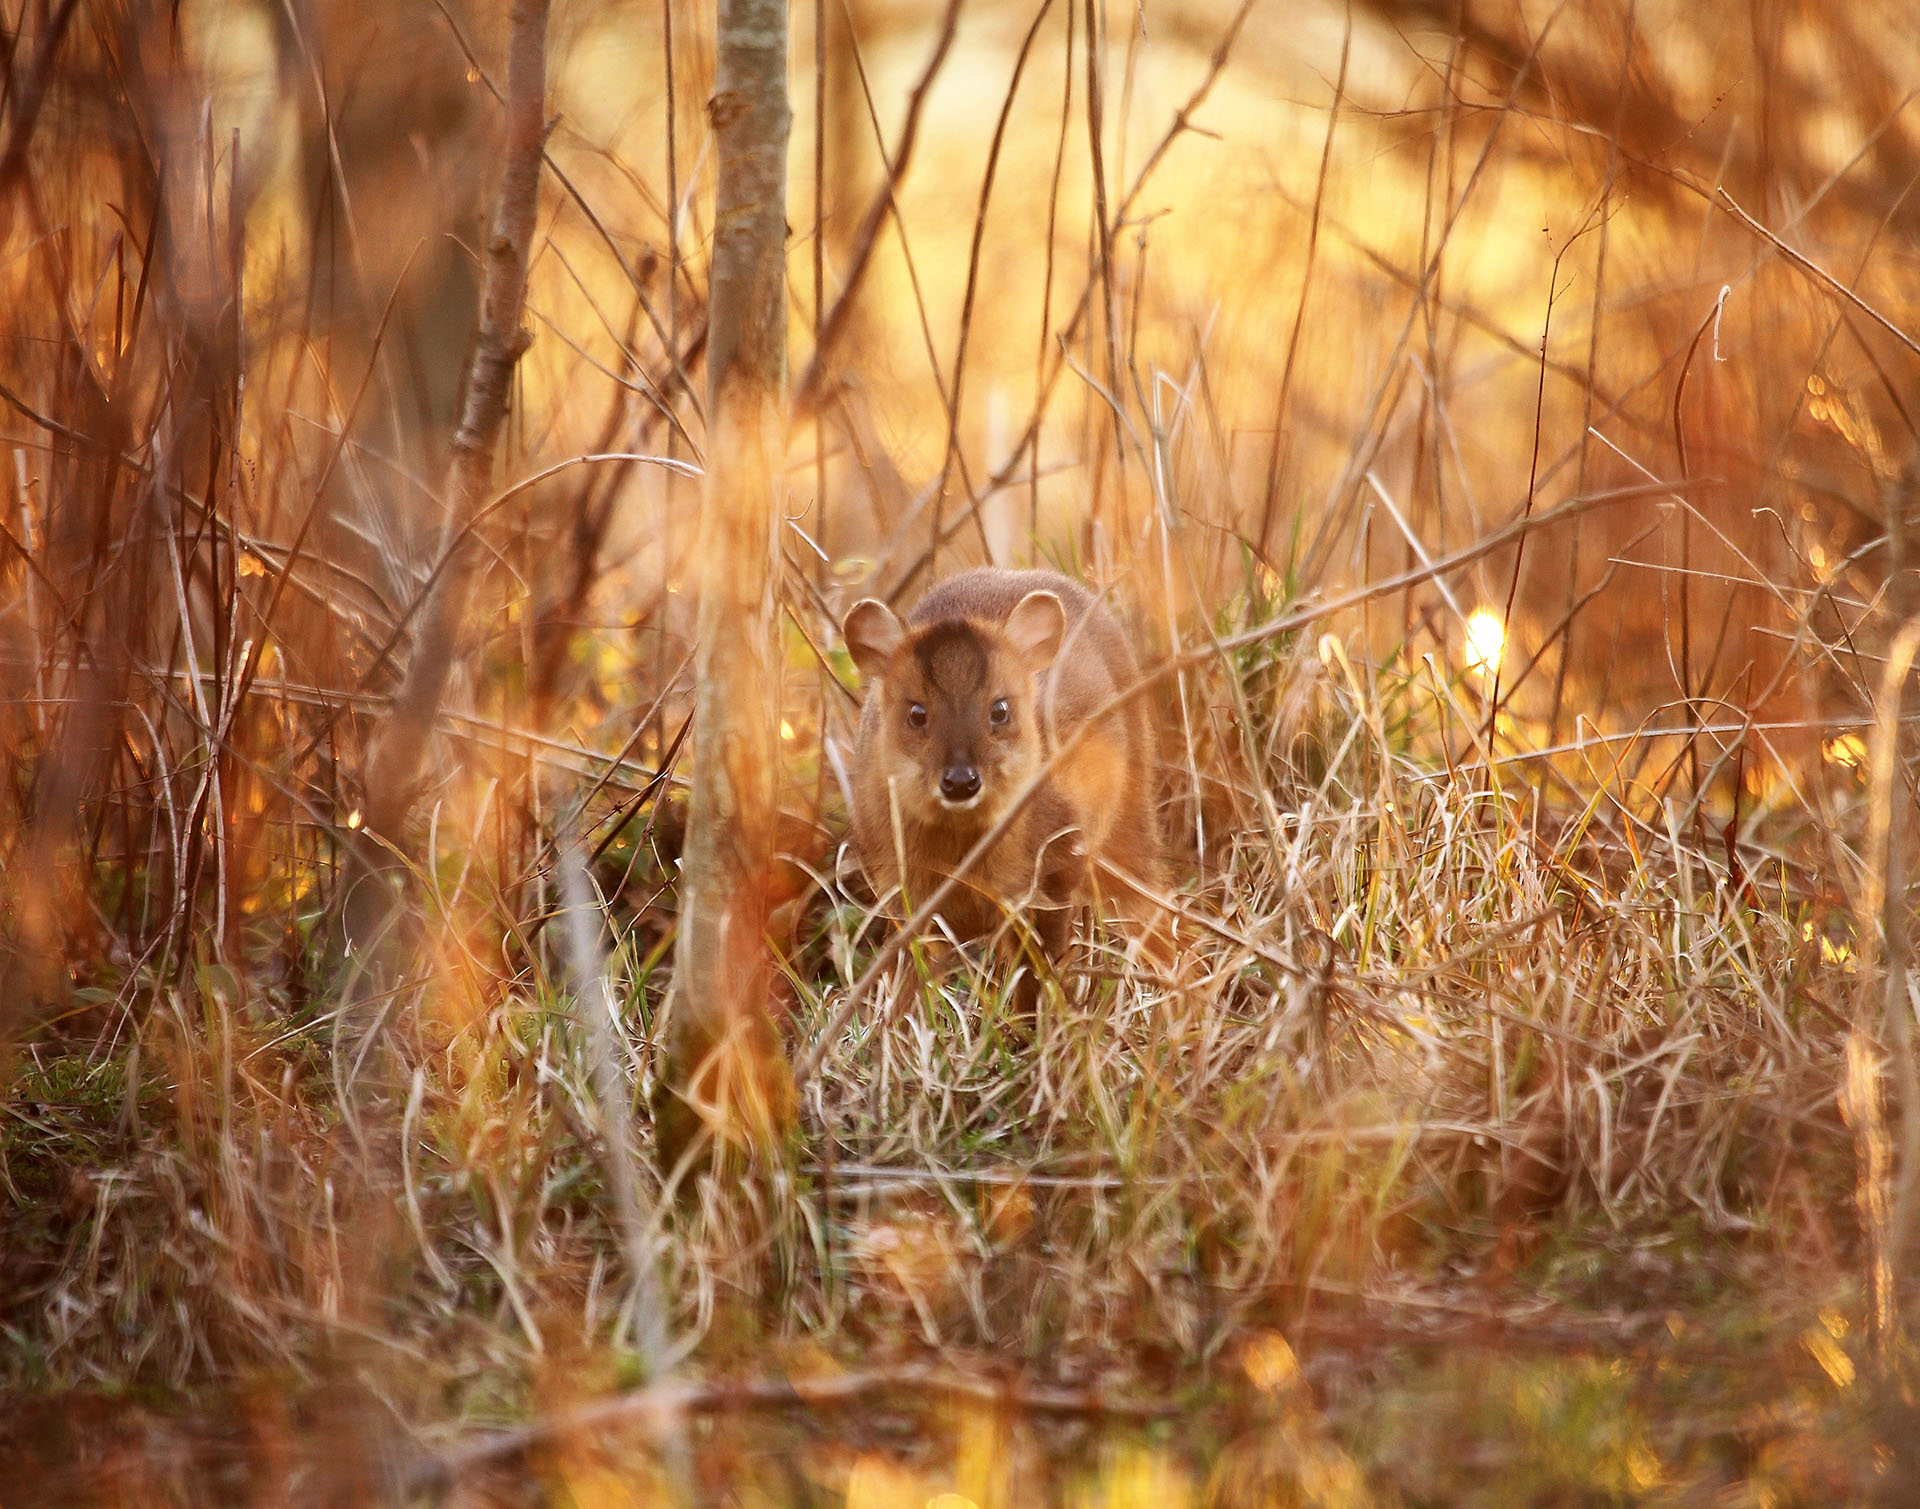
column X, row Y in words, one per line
column 1530, row 1114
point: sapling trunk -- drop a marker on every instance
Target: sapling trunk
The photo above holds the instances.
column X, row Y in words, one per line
column 724, row 1075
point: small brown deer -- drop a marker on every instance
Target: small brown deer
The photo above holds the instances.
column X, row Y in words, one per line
column 966, row 700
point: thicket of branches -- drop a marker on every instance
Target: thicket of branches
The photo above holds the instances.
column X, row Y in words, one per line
column 1318, row 338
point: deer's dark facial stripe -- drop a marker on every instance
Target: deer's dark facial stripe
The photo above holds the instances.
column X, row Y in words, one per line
column 953, row 659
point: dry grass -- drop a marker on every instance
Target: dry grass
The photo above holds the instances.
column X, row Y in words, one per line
column 1529, row 1114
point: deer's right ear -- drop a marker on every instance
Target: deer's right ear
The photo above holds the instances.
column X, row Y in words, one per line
column 873, row 634
column 1036, row 626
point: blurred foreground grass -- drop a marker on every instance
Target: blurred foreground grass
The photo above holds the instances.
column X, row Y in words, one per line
column 1474, row 1151
column 1530, row 1116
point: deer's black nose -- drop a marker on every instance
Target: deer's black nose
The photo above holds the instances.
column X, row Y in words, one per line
column 960, row 783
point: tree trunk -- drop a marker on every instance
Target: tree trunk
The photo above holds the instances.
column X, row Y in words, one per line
column 724, row 1074
column 373, row 889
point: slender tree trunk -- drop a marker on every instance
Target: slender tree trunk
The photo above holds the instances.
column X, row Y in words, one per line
column 725, row 1075
column 399, row 754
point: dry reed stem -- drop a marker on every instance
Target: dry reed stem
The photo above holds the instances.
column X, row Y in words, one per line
column 394, row 766
column 724, row 1079
column 1572, row 1058
column 654, row 1409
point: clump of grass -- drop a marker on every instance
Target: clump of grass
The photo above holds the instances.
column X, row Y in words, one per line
column 1486, row 1134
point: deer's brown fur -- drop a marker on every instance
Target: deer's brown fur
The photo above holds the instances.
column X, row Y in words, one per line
column 1049, row 654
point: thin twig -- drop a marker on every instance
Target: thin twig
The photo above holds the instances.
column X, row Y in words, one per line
column 806, row 392
column 1819, row 274
column 650, row 1408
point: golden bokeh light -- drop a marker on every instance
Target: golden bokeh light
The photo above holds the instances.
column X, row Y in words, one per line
column 1486, row 641
column 1849, row 750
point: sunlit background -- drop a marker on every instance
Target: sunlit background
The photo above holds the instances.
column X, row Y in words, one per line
column 1242, row 309
column 1375, row 294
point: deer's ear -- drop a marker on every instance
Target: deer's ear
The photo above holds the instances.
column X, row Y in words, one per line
column 873, row 634
column 1035, row 628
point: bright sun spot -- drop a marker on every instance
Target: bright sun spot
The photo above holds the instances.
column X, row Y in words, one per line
column 1486, row 638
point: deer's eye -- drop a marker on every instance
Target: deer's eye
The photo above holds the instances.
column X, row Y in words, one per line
column 916, row 715
column 998, row 713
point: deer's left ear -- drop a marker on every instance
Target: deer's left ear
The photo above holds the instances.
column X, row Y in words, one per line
column 873, row 633
column 1035, row 628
